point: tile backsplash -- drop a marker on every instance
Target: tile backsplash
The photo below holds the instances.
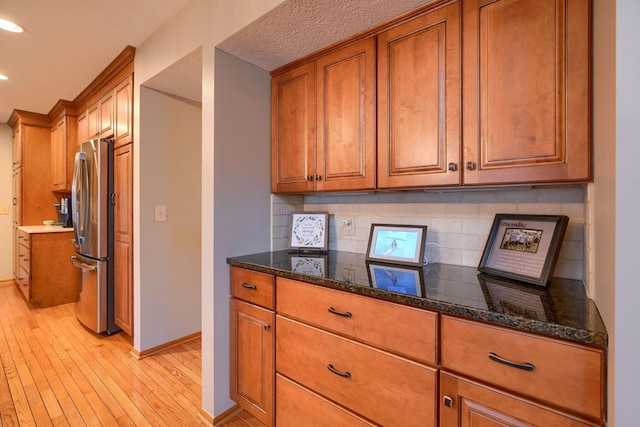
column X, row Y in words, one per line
column 458, row 221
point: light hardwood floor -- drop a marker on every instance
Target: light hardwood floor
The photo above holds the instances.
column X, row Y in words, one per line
column 54, row 372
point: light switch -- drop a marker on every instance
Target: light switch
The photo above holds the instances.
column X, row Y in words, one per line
column 4, row 209
column 160, row 213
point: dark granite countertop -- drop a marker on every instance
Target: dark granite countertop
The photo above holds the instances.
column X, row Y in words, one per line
column 562, row 310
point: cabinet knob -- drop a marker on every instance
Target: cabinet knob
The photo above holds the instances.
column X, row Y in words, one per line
column 448, row 402
column 471, row 166
column 453, row 167
column 309, row 178
column 267, row 327
column 318, row 177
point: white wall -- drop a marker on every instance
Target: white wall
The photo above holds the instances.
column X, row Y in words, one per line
column 201, row 23
column 6, row 199
column 169, row 251
column 627, row 233
column 242, row 187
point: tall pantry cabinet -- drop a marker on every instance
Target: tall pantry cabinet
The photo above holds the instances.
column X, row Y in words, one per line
column 33, row 201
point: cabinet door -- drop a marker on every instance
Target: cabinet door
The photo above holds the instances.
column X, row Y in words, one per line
column 252, row 359
column 346, row 151
column 17, row 148
column 59, row 156
column 93, row 121
column 419, row 101
column 526, row 91
column 123, row 238
column 464, row 404
column 106, row 115
column 83, row 127
column 123, row 111
column 293, row 130
column 17, row 197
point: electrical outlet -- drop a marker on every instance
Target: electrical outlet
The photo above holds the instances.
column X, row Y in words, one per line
column 348, row 226
column 160, row 213
column 4, row 210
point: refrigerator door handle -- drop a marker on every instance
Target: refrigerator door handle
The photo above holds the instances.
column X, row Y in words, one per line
column 80, row 207
column 76, row 261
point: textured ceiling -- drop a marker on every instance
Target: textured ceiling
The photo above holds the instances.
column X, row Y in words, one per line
column 296, row 28
column 182, row 79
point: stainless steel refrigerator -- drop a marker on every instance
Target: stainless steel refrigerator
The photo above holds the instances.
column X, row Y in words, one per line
column 92, row 210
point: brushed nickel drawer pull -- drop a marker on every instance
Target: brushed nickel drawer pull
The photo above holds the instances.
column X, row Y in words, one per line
column 524, row 366
column 335, row 371
column 252, row 287
column 339, row 313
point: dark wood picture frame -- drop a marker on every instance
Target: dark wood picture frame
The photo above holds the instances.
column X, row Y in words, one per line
column 406, row 249
column 524, row 247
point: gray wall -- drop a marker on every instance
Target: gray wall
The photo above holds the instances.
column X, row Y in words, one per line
column 170, row 169
column 242, row 186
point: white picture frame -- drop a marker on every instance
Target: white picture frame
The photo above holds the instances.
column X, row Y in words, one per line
column 309, row 231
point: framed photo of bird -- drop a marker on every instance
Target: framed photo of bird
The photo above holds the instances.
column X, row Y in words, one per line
column 397, row 244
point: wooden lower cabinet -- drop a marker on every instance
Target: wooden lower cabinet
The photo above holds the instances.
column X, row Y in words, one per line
column 464, row 403
column 252, row 359
column 298, row 406
column 47, row 276
column 325, row 357
column 384, row 388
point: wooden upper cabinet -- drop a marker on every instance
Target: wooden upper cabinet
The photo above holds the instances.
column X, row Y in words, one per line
column 526, row 84
column 83, row 127
column 58, row 156
column 17, row 148
column 63, row 145
column 293, row 130
column 419, row 101
column 93, row 121
column 123, row 112
column 106, row 115
column 346, row 150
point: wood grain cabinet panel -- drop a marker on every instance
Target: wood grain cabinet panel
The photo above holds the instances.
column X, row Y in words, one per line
column 123, row 112
column 419, row 101
column 323, row 123
column 252, row 359
column 381, row 387
column 559, row 374
column 298, row 406
column 346, row 150
column 293, row 136
column 365, row 319
column 123, row 238
column 526, row 84
column 464, row 403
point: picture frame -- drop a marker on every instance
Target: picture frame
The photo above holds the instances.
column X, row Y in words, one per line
column 309, row 231
column 517, row 299
column 404, row 280
column 524, row 247
column 397, row 244
column 310, row 265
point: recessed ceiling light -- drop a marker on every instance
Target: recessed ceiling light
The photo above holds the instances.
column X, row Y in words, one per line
column 3, row 77
column 10, row 26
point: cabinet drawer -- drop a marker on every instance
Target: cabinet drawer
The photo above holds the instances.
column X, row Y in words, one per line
column 24, row 238
column 298, row 406
column 558, row 373
column 24, row 283
column 24, row 258
column 407, row 331
column 384, row 388
column 253, row 286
